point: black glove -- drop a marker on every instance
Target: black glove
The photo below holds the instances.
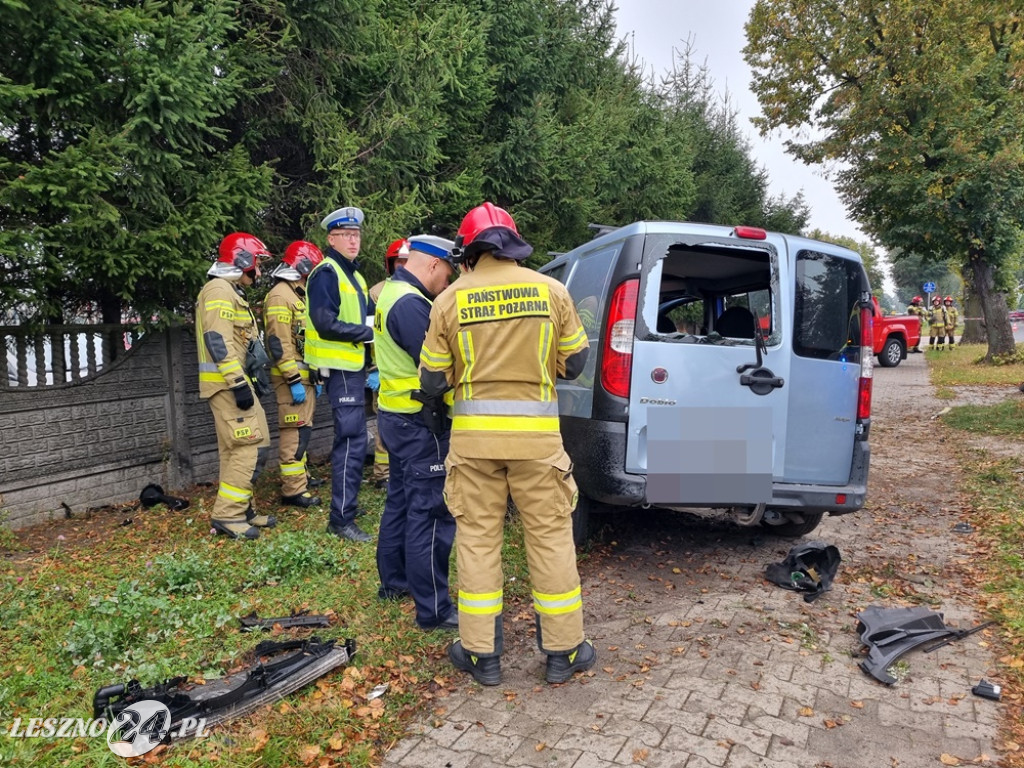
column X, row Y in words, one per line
column 243, row 396
column 434, row 412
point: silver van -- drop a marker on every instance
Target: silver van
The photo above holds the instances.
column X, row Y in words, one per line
column 730, row 369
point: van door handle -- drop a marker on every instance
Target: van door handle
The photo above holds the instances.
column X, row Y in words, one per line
column 762, row 381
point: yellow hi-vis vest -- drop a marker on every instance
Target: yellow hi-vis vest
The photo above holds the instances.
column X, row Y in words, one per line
column 399, row 373
column 338, row 355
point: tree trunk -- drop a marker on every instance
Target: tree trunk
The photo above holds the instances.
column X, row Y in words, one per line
column 974, row 325
column 993, row 307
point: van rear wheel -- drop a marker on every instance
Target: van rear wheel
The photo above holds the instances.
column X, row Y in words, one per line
column 795, row 528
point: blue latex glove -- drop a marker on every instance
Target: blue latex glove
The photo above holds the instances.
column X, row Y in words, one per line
column 319, row 389
column 298, row 393
column 373, row 380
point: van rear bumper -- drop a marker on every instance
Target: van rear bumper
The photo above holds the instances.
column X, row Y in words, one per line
column 598, row 452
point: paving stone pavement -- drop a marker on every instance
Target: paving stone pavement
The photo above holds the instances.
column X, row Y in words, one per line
column 704, row 663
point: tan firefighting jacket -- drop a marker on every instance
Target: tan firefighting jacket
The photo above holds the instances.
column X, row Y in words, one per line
column 501, row 335
column 224, row 326
column 284, row 312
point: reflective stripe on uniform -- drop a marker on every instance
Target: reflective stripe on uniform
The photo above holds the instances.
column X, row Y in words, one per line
column 434, row 360
column 480, row 604
column 234, row 493
column 504, row 423
column 468, row 360
column 555, row 605
column 547, row 387
column 293, row 469
column 574, row 342
column 505, row 408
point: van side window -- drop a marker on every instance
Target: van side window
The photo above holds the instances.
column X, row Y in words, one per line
column 827, row 315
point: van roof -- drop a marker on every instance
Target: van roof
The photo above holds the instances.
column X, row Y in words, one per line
column 720, row 231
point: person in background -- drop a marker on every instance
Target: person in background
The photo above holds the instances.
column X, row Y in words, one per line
column 284, row 313
column 336, row 336
column 226, row 333
column 500, row 335
column 416, row 529
column 395, row 256
column 936, row 323
column 952, row 317
column 917, row 309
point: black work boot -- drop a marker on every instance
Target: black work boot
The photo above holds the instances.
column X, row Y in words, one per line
column 301, row 500
column 352, row 532
column 234, row 529
column 259, row 521
column 486, row 671
column 562, row 666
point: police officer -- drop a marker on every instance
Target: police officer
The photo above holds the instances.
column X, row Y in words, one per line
column 336, row 335
column 416, row 529
column 225, row 327
column 936, row 323
column 915, row 308
column 284, row 312
column 501, row 335
column 395, row 256
column 952, row 316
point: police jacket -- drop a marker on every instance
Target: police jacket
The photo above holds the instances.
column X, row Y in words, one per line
column 224, row 326
column 336, row 305
column 399, row 327
column 500, row 335
column 284, row 313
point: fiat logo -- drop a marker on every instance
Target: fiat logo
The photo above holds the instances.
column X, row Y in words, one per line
column 659, row 375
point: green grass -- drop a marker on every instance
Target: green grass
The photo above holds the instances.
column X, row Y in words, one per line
column 162, row 598
column 965, row 366
column 1005, row 418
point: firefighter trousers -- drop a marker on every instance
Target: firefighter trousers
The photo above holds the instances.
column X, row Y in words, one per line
column 345, row 389
column 544, row 492
column 295, row 423
column 414, row 543
column 240, row 437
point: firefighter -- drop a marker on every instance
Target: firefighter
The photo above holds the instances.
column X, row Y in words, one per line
column 336, row 336
column 416, row 530
column 284, row 312
column 952, row 315
column 915, row 308
column 226, row 340
column 937, row 323
column 500, row 335
column 395, row 256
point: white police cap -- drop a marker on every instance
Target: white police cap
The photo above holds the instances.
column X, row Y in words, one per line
column 343, row 218
column 432, row 245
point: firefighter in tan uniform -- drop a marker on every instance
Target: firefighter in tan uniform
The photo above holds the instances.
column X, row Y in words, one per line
column 284, row 312
column 225, row 335
column 396, row 256
column 500, row 335
column 952, row 316
column 936, row 323
column 915, row 308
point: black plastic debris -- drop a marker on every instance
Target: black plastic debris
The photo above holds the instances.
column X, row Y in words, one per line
column 987, row 690
column 963, row 528
column 301, row 619
column 891, row 632
column 153, row 494
column 809, row 567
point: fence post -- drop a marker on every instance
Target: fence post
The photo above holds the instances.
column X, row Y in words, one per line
column 179, row 459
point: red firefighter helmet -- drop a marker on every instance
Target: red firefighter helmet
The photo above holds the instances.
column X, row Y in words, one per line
column 399, row 249
column 299, row 259
column 488, row 227
column 949, row 299
column 936, row 299
column 238, row 252
column 916, row 300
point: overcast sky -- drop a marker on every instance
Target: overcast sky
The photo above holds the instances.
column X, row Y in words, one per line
column 656, row 27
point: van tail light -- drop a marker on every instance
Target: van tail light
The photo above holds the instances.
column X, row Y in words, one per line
column 867, row 334
column 750, row 233
column 617, row 348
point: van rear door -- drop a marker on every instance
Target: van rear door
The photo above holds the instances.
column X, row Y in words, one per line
column 707, row 421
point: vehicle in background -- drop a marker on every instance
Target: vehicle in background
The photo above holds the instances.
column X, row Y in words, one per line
column 894, row 335
column 730, row 369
